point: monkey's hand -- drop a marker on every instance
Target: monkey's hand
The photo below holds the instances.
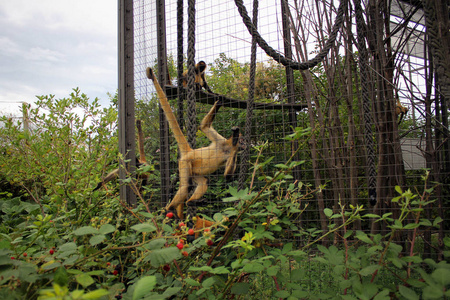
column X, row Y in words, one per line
column 150, row 74
column 236, row 135
column 218, row 103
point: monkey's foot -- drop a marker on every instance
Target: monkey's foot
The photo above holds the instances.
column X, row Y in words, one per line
column 194, row 203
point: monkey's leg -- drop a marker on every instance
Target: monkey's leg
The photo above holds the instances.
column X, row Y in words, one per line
column 200, row 190
column 184, row 168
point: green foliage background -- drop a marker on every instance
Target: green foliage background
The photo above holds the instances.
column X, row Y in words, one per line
column 61, row 240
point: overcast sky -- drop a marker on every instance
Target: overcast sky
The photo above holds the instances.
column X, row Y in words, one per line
column 51, row 46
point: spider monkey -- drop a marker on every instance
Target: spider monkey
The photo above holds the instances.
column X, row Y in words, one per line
column 142, row 161
column 400, row 110
column 195, row 163
column 200, row 80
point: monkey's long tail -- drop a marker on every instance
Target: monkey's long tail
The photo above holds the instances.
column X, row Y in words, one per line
column 173, row 123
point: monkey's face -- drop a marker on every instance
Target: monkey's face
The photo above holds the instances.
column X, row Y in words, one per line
column 201, row 67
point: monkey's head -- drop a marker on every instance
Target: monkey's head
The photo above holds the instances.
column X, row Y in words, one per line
column 200, row 67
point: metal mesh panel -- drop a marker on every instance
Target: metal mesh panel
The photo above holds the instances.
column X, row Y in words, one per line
column 335, row 152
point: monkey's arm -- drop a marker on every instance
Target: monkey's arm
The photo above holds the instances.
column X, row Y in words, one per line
column 206, row 125
column 205, row 84
column 230, row 165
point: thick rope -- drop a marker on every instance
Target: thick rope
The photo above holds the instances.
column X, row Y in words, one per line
column 280, row 58
column 245, row 155
column 180, row 41
column 367, row 105
column 192, row 115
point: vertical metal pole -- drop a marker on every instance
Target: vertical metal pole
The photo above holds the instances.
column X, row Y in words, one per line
column 127, row 141
column 289, row 78
column 162, row 77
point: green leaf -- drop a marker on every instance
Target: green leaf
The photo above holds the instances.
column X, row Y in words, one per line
column 433, row 292
column 96, row 294
column 297, row 275
column 383, row 295
column 170, row 292
column 407, row 293
column 220, row 270
column 437, row 221
column 348, row 234
column 282, row 294
column 207, row 283
column 368, row 270
column 191, row 282
column 144, row 286
column 97, row 239
column 203, row 268
column 240, row 288
column 273, row 270
column 84, row 279
column 374, row 216
column 414, row 259
column 68, row 247
column 328, row 212
column 363, row 237
column 411, row 226
column 442, row 276
column 163, row 256
column 86, row 230
column 144, row 227
column 51, row 265
column 61, row 277
column 398, row 189
column 425, row 222
column 253, row 267
column 156, row 244
column 107, row 228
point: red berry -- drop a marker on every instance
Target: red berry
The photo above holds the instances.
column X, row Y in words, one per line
column 209, row 242
column 12, row 257
column 191, row 231
column 25, row 254
column 108, row 263
column 169, row 215
column 51, row 251
column 180, row 245
column 115, row 272
column 166, row 268
column 181, row 224
column 185, row 253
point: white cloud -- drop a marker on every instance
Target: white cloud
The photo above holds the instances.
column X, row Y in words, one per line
column 39, row 54
column 51, row 46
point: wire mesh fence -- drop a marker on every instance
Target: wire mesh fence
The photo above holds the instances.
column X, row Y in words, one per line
column 372, row 112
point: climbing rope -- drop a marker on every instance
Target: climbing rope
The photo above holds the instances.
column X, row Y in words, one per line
column 280, row 58
column 192, row 114
column 180, row 40
column 245, row 155
column 367, row 105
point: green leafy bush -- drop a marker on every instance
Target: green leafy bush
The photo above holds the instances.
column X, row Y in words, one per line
column 60, row 240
